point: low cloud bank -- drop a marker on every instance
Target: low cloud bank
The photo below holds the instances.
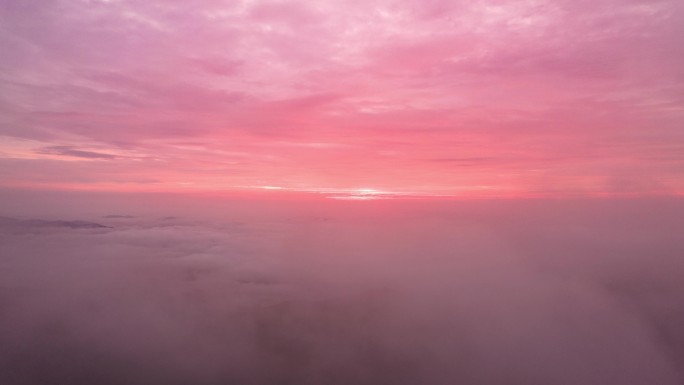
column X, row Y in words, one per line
column 486, row 293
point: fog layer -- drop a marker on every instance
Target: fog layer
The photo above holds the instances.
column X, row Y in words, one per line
column 500, row 292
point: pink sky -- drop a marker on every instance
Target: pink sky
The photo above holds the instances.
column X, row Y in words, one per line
column 421, row 97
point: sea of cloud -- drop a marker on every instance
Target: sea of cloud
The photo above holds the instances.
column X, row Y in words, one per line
column 491, row 292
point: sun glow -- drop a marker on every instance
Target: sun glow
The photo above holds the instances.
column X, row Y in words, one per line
column 339, row 193
column 365, row 194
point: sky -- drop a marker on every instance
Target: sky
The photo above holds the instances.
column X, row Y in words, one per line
column 344, row 98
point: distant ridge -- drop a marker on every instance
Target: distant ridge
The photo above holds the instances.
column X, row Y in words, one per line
column 33, row 223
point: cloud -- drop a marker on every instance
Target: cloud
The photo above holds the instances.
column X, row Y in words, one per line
column 496, row 292
column 240, row 76
column 73, row 152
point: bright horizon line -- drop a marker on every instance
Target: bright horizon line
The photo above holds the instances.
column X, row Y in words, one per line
column 347, row 194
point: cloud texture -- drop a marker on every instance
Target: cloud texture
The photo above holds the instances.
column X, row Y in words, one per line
column 534, row 292
column 456, row 97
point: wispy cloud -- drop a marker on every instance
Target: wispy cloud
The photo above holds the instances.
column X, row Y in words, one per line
column 74, row 152
column 520, row 81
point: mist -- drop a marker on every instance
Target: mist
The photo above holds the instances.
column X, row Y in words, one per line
column 147, row 289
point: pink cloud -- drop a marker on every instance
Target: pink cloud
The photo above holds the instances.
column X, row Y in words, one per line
column 405, row 95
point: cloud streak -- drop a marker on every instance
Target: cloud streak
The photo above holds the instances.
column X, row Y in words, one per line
column 73, row 152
